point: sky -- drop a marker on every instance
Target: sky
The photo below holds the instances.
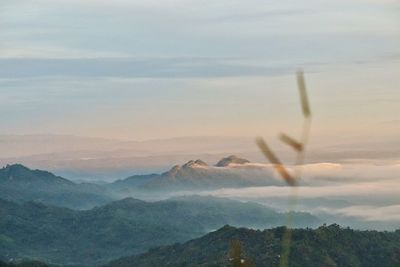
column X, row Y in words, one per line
column 149, row 69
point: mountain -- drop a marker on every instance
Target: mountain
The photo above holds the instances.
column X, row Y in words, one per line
column 19, row 183
column 94, row 159
column 231, row 160
column 196, row 175
column 325, row 246
column 25, row 264
column 63, row 236
column 98, row 159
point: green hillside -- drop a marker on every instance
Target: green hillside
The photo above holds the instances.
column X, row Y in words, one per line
column 327, row 246
column 129, row 226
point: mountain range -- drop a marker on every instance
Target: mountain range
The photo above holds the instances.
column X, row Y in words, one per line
column 196, row 175
column 19, row 183
column 98, row 159
column 47, row 218
column 55, row 235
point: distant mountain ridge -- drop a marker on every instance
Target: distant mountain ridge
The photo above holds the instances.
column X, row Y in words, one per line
column 97, row 159
column 198, row 176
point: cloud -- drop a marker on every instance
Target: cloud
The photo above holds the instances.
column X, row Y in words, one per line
column 19, row 50
column 327, row 174
column 382, row 2
column 345, row 190
column 368, row 192
column 167, row 67
column 366, row 202
column 389, row 213
column 272, row 30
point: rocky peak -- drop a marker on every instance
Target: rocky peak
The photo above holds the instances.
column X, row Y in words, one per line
column 231, row 160
column 188, row 166
column 194, row 164
column 173, row 171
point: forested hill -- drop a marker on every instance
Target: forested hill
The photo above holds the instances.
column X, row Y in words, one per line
column 20, row 184
column 326, row 246
column 26, row 264
column 121, row 228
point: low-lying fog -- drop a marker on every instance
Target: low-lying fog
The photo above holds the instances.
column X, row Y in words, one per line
column 361, row 194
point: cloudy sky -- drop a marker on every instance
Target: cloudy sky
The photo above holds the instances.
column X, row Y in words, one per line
column 144, row 69
column 147, row 69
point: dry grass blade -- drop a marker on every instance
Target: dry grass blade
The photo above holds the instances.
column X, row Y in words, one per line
column 296, row 145
column 275, row 161
column 303, row 94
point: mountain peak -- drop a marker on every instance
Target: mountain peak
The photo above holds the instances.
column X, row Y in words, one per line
column 231, row 160
column 188, row 166
column 194, row 164
column 15, row 167
column 15, row 170
column 19, row 172
column 173, row 171
column 201, row 163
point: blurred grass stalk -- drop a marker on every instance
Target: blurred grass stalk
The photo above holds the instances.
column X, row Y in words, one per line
column 291, row 180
